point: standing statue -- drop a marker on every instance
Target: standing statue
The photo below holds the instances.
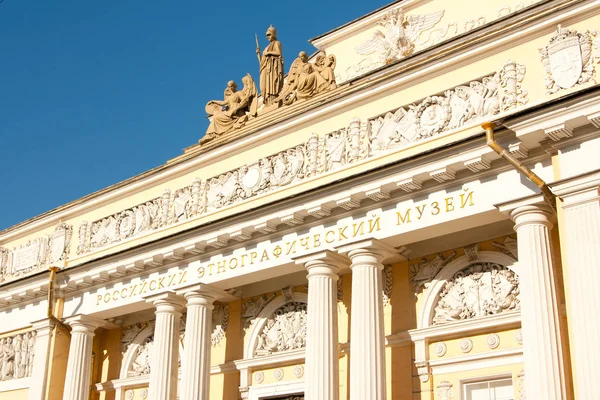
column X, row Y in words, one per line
column 306, row 80
column 271, row 68
column 233, row 111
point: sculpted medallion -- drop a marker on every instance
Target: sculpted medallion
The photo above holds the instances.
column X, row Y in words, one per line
column 478, row 290
column 567, row 59
column 284, row 330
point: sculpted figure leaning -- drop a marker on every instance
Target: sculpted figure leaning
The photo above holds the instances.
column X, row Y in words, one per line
column 233, row 111
column 271, row 68
column 306, row 80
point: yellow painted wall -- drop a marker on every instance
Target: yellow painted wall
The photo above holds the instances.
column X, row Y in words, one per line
column 20, row 394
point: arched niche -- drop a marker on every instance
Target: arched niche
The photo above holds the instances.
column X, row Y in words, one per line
column 447, row 273
column 261, row 320
column 132, row 350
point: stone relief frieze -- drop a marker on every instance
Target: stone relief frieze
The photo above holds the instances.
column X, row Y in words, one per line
column 398, row 35
column 16, row 356
column 418, row 32
column 359, row 140
column 478, row 290
column 220, row 320
column 252, row 307
column 284, row 330
column 139, row 338
column 36, row 254
column 509, row 247
column 422, row 273
column 387, row 285
column 567, row 59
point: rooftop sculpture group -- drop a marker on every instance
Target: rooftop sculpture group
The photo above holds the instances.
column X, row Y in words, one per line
column 304, row 80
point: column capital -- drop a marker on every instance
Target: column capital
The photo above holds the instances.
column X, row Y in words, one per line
column 369, row 248
column 43, row 325
column 322, row 263
column 532, row 214
column 167, row 302
column 198, row 290
column 578, row 190
column 84, row 323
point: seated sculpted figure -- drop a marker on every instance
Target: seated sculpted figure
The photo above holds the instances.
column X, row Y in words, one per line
column 233, row 111
column 306, row 79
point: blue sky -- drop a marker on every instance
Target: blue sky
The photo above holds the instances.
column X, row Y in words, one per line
column 92, row 93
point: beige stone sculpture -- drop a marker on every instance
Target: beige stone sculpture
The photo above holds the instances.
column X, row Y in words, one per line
column 271, row 68
column 233, row 111
column 306, row 79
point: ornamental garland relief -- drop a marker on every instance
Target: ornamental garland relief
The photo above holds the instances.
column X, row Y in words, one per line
column 284, row 330
column 478, row 290
column 360, row 140
column 16, row 356
column 37, row 254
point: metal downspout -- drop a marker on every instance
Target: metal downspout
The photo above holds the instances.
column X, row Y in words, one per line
column 549, row 197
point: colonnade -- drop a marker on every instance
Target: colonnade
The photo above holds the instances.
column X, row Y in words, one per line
column 540, row 323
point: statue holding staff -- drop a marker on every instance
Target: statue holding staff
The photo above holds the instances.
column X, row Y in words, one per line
column 271, row 68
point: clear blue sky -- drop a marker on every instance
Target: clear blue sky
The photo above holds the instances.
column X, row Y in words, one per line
column 95, row 92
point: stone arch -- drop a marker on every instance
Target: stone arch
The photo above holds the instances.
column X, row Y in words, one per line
column 261, row 320
column 447, row 273
column 130, row 354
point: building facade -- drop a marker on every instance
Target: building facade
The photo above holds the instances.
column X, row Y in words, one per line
column 410, row 213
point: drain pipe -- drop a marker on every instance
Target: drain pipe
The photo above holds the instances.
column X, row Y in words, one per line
column 51, row 302
column 529, row 174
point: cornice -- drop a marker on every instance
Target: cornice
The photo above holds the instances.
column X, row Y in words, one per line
column 418, row 66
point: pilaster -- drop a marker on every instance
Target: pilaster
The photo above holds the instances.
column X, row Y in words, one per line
column 39, row 375
column 581, row 204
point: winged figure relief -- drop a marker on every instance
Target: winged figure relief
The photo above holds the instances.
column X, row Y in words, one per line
column 398, row 36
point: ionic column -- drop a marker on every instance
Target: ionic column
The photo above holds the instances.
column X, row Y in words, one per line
column 196, row 363
column 322, row 361
column 163, row 375
column 367, row 340
column 582, row 233
column 79, row 363
column 542, row 351
column 39, row 372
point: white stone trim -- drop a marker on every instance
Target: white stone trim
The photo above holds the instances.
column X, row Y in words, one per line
column 432, row 294
column 15, row 384
column 261, row 392
column 261, row 320
column 485, row 360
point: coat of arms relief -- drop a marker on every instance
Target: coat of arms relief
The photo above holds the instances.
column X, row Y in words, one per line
column 567, row 59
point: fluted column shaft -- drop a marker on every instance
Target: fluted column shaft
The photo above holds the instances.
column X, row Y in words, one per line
column 322, row 363
column 196, row 363
column 542, row 352
column 582, row 229
column 163, row 375
column 79, row 363
column 367, row 356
